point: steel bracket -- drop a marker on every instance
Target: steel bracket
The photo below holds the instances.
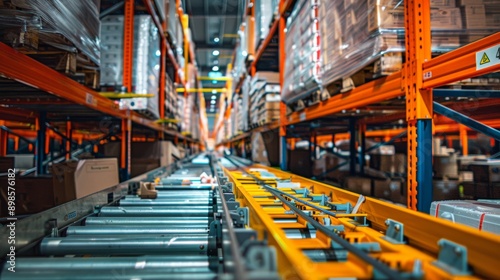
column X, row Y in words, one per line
column 243, row 214
column 259, row 256
column 452, row 257
column 394, row 232
column 345, row 207
column 369, row 247
column 359, row 221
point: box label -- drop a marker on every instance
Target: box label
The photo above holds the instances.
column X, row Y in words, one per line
column 488, row 57
column 99, row 168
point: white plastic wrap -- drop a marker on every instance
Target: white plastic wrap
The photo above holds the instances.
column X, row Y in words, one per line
column 265, row 11
column 77, row 22
column 302, row 44
column 146, row 61
column 356, row 33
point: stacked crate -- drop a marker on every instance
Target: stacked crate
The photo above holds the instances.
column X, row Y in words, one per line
column 264, row 98
column 171, row 106
column 302, row 44
column 146, row 62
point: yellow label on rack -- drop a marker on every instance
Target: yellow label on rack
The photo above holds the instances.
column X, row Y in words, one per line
column 488, row 57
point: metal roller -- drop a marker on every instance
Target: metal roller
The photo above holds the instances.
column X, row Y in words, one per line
column 145, row 211
column 123, row 246
column 141, row 262
column 191, row 203
column 117, row 230
column 196, row 222
column 106, row 274
column 177, row 194
column 178, row 187
column 114, row 237
column 326, row 255
column 293, row 233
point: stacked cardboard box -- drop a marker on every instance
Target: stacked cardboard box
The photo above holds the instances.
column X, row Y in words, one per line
column 264, row 98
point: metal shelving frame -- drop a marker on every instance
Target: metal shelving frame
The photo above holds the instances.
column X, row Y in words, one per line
column 415, row 83
column 25, row 70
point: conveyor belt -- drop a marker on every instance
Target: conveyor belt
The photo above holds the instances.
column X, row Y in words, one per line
column 178, row 235
column 323, row 232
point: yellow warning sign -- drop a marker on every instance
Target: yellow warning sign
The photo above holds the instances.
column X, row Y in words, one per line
column 484, row 59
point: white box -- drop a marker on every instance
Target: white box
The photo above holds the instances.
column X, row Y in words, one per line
column 482, row 215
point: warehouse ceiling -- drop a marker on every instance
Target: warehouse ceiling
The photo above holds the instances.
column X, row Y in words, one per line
column 214, row 25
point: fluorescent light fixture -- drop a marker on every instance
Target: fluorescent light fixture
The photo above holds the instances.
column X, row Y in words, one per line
column 214, row 91
column 215, row 68
column 213, row 102
column 214, row 82
column 214, row 97
column 216, row 52
column 216, row 39
column 158, row 53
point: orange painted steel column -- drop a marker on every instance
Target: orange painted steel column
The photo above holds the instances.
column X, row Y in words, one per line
column 4, row 140
column 418, row 102
column 251, row 30
column 163, row 69
column 125, row 146
column 68, row 140
column 282, row 58
column 464, row 140
column 16, row 143
column 128, row 44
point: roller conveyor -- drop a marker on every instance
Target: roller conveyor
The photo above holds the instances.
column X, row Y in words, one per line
column 254, row 223
column 339, row 234
column 177, row 235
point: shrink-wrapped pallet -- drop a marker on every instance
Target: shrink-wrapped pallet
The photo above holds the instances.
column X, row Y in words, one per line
column 72, row 26
column 146, row 62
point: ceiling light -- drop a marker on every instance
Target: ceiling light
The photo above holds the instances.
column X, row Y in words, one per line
column 216, row 39
column 215, row 68
column 244, row 53
column 158, row 53
column 216, row 52
column 214, row 91
column 214, row 97
column 216, row 61
column 214, row 81
column 212, row 110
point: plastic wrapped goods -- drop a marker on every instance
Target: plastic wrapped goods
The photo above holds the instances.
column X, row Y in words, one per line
column 146, row 61
column 72, row 26
column 359, row 33
column 302, row 44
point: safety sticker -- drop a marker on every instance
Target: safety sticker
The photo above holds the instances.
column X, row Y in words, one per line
column 488, row 57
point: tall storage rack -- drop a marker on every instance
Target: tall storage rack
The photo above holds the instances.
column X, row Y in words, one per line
column 414, row 84
column 40, row 95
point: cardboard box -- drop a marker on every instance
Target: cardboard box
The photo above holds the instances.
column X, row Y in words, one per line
column 486, row 171
column 465, row 176
column 469, row 2
column 445, row 190
column 446, row 19
column 443, row 3
column 33, row 195
column 77, row 179
column 359, row 185
column 390, row 189
column 385, row 14
column 145, row 155
column 445, row 166
column 474, row 16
